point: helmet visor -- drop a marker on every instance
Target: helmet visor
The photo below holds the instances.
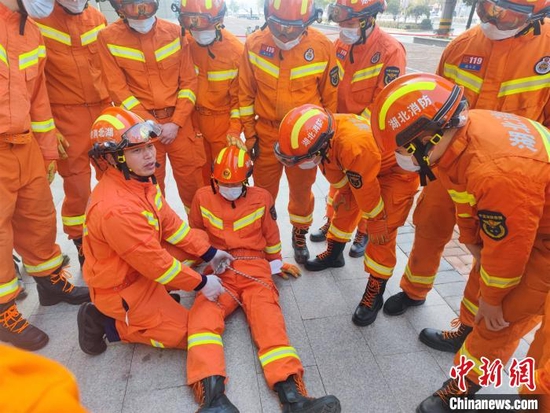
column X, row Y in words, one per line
column 504, row 15
column 139, row 10
column 339, row 13
column 286, row 30
column 141, row 134
column 198, row 21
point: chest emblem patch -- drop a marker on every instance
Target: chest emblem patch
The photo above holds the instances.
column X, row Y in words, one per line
column 470, row 62
column 309, row 55
column 267, row 51
column 543, row 66
column 375, row 58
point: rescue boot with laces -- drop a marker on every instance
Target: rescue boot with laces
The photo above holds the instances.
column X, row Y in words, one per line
column 294, row 399
column 371, row 303
column 320, row 235
column 301, row 253
column 397, row 304
column 359, row 244
column 446, row 340
column 210, row 394
column 91, row 329
column 55, row 288
column 78, row 244
column 333, row 257
column 439, row 401
column 16, row 330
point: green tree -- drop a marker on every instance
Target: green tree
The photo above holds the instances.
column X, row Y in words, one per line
column 394, row 8
column 418, row 10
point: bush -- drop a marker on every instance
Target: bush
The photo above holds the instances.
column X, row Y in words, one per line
column 426, row 24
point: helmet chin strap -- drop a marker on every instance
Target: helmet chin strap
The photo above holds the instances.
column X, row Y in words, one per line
column 421, row 154
column 24, row 16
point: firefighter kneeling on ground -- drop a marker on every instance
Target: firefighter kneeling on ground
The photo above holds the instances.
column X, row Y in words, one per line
column 242, row 220
column 136, row 246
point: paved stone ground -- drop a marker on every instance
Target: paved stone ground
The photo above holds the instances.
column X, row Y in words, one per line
column 382, row 368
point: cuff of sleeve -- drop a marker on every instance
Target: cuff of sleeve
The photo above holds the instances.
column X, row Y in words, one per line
column 276, row 266
column 209, row 254
column 492, row 297
column 201, row 284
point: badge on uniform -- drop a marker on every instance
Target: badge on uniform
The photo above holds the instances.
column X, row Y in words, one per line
column 267, row 50
column 375, row 58
column 543, row 66
column 470, row 62
column 334, row 76
column 341, row 53
column 391, row 73
column 354, row 179
column 273, row 213
column 309, row 55
column 493, row 224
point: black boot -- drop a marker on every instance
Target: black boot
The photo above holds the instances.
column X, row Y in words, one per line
column 301, row 253
column 357, row 249
column 16, row 330
column 55, row 288
column 397, row 304
column 333, row 257
column 293, row 396
column 210, row 394
column 450, row 340
column 439, row 401
column 78, row 244
column 320, row 235
column 22, row 292
column 371, row 303
column 91, row 329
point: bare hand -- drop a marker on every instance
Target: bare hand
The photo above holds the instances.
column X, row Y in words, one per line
column 493, row 315
column 169, row 133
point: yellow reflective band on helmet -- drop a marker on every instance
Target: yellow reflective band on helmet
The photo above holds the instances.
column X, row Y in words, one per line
column 43, row 127
column 462, row 197
column 303, row 10
column 187, row 94
column 477, row 363
column 208, row 4
column 526, row 84
column 471, row 307
column 339, row 233
column 201, row 339
column 91, row 35
column 220, row 156
column 377, row 267
column 214, row 220
column 263, row 65
column 299, row 219
column 273, row 249
column 544, row 134
column 377, row 209
column 31, row 58
column 463, row 78
column 418, row 279
column 397, row 95
column 246, row 110
column 54, row 263
column 367, row 73
column 184, row 3
column 157, row 344
column 170, row 273
column 112, row 120
column 9, row 287
column 129, row 104
column 73, row 221
column 151, row 220
column 341, row 183
column 277, row 354
column 249, row 219
column 308, row 70
column 54, row 34
column 126, row 53
column 498, row 282
column 221, row 75
column 295, row 134
column 277, row 4
column 179, row 235
column 168, row 50
column 4, row 55
column 240, row 159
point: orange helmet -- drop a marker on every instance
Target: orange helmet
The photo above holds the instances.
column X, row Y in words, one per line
column 304, row 133
column 290, row 18
column 135, row 9
column 344, row 10
column 232, row 166
column 201, row 14
column 510, row 15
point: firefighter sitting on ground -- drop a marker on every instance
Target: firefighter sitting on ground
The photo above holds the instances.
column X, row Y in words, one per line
column 242, row 220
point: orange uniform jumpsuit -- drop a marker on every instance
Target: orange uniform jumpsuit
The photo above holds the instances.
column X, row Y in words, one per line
column 375, row 64
column 497, row 171
column 247, row 229
column 492, row 79
column 134, row 245
column 217, row 108
column 77, row 96
column 271, row 83
column 33, row 383
column 152, row 75
column 27, row 139
column 369, row 184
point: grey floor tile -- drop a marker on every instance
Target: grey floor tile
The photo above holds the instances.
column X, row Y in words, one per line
column 317, row 296
column 451, row 289
column 167, row 400
column 435, row 316
column 451, row 276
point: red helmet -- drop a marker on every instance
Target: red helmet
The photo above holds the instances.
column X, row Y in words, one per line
column 510, row 15
column 201, row 14
column 135, row 9
column 232, row 166
column 304, row 133
column 344, row 10
column 117, row 129
column 290, row 18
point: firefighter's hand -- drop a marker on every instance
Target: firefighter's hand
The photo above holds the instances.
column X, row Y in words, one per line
column 475, row 250
column 235, row 140
column 51, row 169
column 493, row 315
column 342, row 198
column 169, row 133
column 62, row 146
column 289, row 270
column 377, row 229
column 253, row 147
column 220, row 261
column 213, row 288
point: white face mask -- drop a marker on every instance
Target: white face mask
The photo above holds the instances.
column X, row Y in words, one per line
column 204, row 37
column 493, row 33
column 142, row 26
column 38, row 9
column 350, row 35
column 406, row 162
column 73, row 6
column 287, row 45
column 231, row 192
column 312, row 163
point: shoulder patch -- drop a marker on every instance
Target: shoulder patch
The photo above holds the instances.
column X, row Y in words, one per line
column 375, row 58
column 273, row 213
column 391, row 73
column 493, row 224
column 543, row 66
column 354, row 179
column 334, row 76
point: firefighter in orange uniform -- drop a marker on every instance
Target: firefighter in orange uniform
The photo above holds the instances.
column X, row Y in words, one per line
column 286, row 66
column 28, row 153
column 496, row 166
column 216, row 54
column 368, row 59
column 369, row 183
column 33, row 383
column 135, row 244
column 483, row 61
column 242, row 220
column 77, row 92
column 148, row 69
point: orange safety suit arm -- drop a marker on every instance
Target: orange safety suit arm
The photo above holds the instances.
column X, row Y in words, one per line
column 116, row 81
column 328, row 91
column 546, row 120
column 248, row 88
column 235, row 124
column 188, row 86
column 270, row 230
column 509, row 208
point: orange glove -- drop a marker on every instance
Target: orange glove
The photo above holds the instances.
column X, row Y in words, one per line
column 62, row 146
column 377, row 229
column 289, row 269
column 235, row 140
column 51, row 169
column 253, row 147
